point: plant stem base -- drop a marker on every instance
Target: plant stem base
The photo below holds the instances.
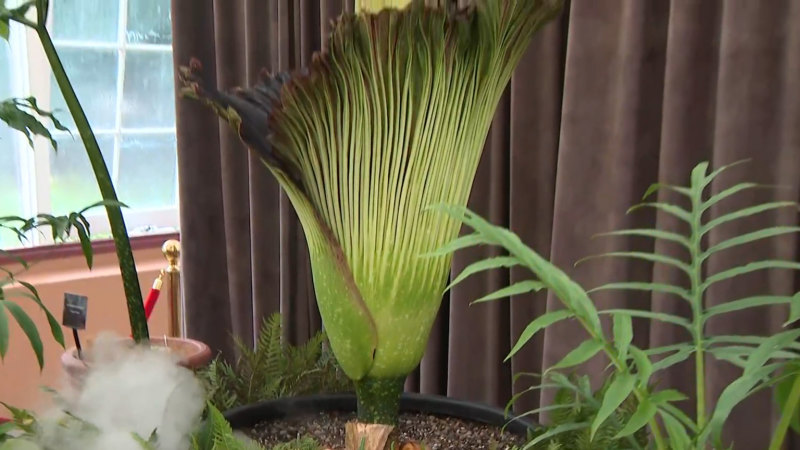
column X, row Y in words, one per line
column 379, row 400
column 366, row 436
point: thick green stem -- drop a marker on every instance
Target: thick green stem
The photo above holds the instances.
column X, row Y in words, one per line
column 697, row 309
column 787, row 413
column 379, row 400
column 127, row 265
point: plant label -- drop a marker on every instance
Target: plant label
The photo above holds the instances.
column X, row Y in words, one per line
column 75, row 307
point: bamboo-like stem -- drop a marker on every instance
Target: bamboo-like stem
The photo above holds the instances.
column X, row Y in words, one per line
column 127, row 264
column 786, row 416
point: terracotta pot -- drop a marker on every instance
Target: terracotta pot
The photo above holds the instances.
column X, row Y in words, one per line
column 192, row 354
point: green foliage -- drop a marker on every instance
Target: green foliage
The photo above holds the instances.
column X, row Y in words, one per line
column 301, row 443
column 61, row 229
column 20, row 114
column 216, row 434
column 274, row 369
column 576, row 404
column 760, row 357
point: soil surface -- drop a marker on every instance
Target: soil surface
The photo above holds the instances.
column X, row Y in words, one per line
column 436, row 433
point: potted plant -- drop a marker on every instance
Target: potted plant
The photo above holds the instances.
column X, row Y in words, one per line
column 33, row 15
column 641, row 414
column 391, row 117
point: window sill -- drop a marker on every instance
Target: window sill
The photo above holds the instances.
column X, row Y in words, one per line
column 59, row 251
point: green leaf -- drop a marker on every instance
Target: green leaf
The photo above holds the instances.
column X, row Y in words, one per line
column 644, row 286
column 655, row 187
column 541, row 322
column 623, row 333
column 748, row 268
column 644, row 368
column 748, row 238
column 86, row 242
column 652, row 315
column 716, row 198
column 742, row 213
column 619, row 390
column 521, row 287
column 667, row 396
column 643, row 414
column 741, row 388
column 655, row 234
column 29, row 328
column 651, row 257
column 462, row 242
column 580, row 354
column 675, row 358
column 678, row 437
column 497, row 262
column 783, row 390
column 744, row 303
column 3, row 332
column 673, row 210
column 555, row 431
column 55, row 328
column 4, row 30
column 719, row 170
column 794, row 310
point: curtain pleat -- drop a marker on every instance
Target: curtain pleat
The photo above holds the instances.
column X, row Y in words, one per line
column 612, row 96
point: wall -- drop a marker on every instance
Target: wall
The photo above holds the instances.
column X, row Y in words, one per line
column 20, row 378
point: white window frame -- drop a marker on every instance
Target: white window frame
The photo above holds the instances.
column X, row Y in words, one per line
column 34, row 77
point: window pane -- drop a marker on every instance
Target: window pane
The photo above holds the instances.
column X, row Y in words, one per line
column 149, row 90
column 72, row 183
column 147, row 171
column 149, row 22
column 93, row 74
column 10, row 171
column 86, row 20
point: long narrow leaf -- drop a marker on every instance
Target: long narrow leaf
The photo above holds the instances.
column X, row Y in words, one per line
column 678, row 437
column 742, row 213
column 652, row 315
column 644, row 286
column 560, row 429
column 748, row 268
column 725, row 193
column 644, row 368
column 745, row 303
column 55, row 327
column 521, row 287
column 748, row 238
column 644, row 413
column 651, row 257
column 580, row 354
column 655, row 187
column 673, row 210
column 3, row 332
column 537, row 325
column 623, row 333
column 498, row 262
column 675, row 358
column 654, row 234
column 29, row 328
column 460, row 243
column 617, row 392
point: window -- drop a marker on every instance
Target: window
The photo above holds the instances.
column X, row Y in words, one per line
column 118, row 55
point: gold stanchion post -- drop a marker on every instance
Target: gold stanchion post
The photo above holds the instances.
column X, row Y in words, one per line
column 172, row 252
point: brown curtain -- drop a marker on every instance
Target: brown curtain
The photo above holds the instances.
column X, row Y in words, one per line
column 611, row 97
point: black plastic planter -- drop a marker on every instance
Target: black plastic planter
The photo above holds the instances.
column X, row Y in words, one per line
column 248, row 416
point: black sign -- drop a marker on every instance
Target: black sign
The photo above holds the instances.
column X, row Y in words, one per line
column 75, row 311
